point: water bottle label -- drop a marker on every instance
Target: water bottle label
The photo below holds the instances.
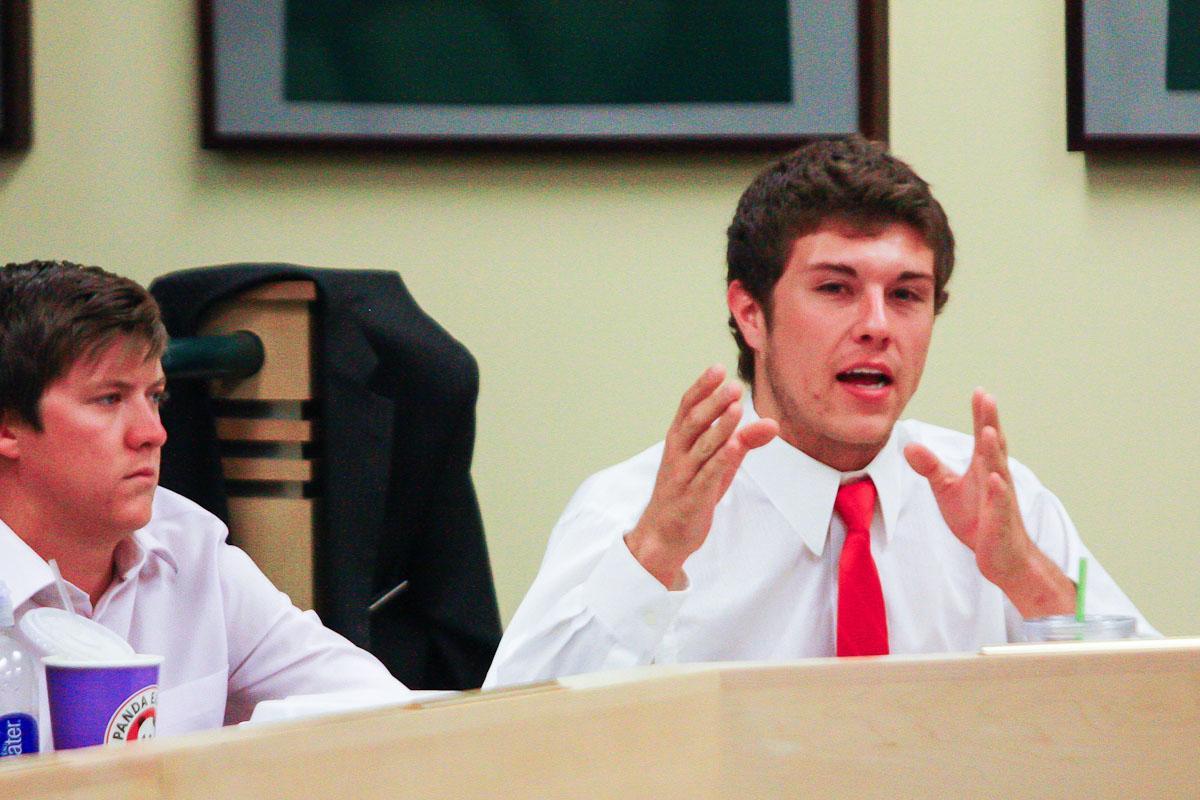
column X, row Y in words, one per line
column 18, row 734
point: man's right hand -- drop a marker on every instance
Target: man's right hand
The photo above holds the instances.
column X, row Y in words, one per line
column 702, row 453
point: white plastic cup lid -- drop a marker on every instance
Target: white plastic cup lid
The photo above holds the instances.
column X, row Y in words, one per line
column 58, row 632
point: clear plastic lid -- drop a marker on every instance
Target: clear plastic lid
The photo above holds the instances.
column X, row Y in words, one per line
column 1067, row 628
column 57, row 632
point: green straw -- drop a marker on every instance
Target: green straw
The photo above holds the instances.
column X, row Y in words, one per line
column 1081, row 589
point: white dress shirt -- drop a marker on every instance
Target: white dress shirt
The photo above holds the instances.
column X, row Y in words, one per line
column 763, row 586
column 228, row 637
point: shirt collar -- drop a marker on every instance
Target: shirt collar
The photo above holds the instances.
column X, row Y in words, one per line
column 27, row 573
column 803, row 489
column 132, row 553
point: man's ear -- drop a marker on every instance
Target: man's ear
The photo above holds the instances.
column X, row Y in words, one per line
column 747, row 314
column 9, row 444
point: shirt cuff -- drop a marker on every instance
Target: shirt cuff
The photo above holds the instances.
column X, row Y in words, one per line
column 635, row 607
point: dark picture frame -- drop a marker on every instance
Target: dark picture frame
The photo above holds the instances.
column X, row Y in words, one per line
column 837, row 70
column 16, row 118
column 1129, row 86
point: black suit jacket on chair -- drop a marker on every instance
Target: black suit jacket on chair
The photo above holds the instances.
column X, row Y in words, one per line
column 397, row 419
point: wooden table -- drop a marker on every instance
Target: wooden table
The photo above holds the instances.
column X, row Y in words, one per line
column 1123, row 722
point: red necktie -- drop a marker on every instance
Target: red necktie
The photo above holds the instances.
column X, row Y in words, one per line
column 861, row 623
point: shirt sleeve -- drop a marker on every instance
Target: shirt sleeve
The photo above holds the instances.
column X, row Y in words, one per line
column 276, row 650
column 592, row 607
column 1052, row 530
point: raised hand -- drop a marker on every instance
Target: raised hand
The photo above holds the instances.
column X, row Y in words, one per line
column 980, row 508
column 702, row 453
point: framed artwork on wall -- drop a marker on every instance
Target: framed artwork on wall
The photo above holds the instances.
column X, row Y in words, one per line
column 15, row 111
column 1133, row 74
column 537, row 73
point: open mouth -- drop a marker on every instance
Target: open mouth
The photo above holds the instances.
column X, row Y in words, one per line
column 865, row 377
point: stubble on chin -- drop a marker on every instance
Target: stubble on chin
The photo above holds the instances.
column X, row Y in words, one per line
column 830, row 444
column 789, row 413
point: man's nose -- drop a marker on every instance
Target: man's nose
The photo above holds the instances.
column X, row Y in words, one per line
column 872, row 323
column 146, row 428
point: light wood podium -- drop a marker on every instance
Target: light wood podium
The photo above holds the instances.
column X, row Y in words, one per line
column 1120, row 723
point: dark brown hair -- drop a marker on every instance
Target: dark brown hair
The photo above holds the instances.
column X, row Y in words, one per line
column 52, row 314
column 850, row 181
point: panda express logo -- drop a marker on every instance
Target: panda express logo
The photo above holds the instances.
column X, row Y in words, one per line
column 135, row 718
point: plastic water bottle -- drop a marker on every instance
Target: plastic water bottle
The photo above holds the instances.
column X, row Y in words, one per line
column 18, row 688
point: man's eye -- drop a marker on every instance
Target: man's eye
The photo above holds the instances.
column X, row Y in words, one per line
column 110, row 399
column 158, row 398
column 907, row 295
column 832, row 288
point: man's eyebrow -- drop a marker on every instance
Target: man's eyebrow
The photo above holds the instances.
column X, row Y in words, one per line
column 851, row 272
column 124, row 385
column 833, row 266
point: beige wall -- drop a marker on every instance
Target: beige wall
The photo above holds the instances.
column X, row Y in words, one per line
column 590, row 286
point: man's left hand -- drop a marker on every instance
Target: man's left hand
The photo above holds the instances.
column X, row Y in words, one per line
column 980, row 508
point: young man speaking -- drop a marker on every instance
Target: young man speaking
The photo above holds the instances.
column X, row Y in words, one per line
column 81, row 383
column 809, row 521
